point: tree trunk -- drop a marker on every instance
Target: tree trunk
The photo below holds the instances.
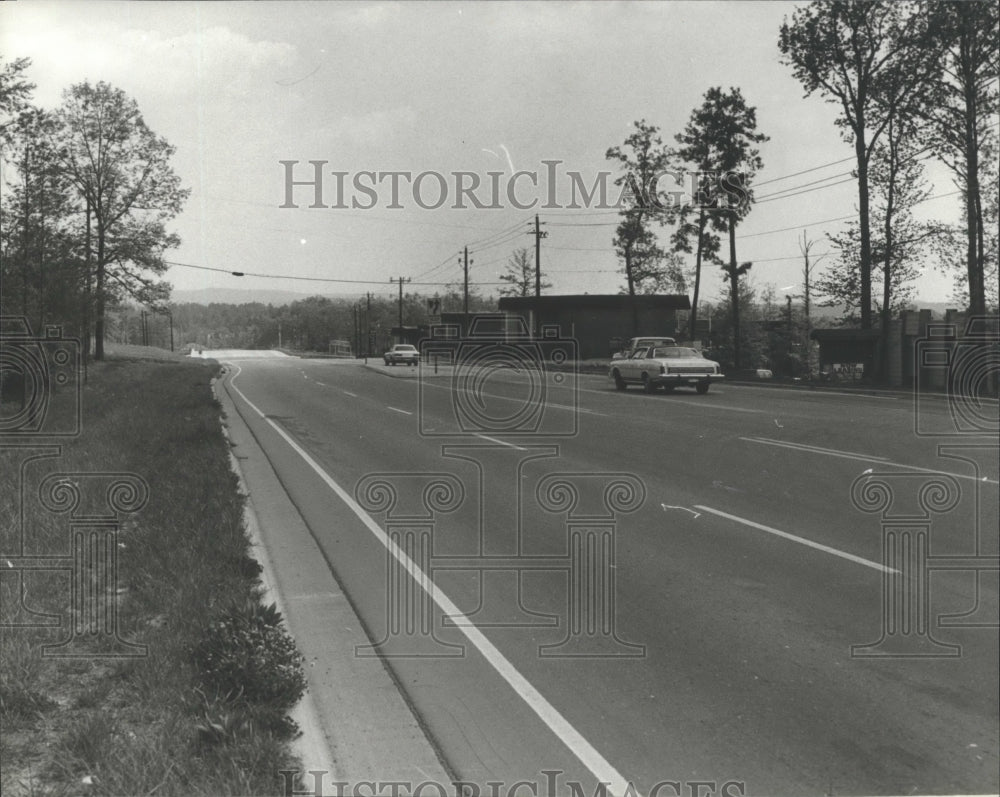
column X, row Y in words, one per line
column 864, row 222
column 973, row 208
column 99, row 288
column 734, row 289
column 697, row 274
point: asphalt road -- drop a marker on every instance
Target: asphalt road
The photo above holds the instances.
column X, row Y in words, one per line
column 695, row 623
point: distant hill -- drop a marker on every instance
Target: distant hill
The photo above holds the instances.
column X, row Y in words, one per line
column 208, row 296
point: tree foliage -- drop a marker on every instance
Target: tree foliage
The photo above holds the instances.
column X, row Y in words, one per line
column 869, row 58
column 643, row 160
column 964, row 101
column 122, row 174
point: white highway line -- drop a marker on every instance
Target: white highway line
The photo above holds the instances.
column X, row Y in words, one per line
column 500, row 442
column 559, row 725
column 349, row 393
column 801, row 540
column 397, row 409
column 832, row 452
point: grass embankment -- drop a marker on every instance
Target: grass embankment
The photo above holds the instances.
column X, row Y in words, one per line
column 204, row 711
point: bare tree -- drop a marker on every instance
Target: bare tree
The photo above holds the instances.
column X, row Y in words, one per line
column 520, row 275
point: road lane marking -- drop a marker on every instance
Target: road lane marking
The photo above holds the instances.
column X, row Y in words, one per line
column 500, row 442
column 801, row 540
column 397, row 409
column 588, row 755
column 349, row 393
column 832, row 452
column 547, row 404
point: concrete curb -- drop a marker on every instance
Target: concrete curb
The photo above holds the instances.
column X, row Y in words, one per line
column 312, row 747
column 356, row 725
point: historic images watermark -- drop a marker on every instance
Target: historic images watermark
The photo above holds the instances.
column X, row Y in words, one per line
column 314, row 185
column 40, row 408
column 500, row 399
column 552, row 783
column 957, row 374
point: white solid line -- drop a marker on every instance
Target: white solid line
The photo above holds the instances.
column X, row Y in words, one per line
column 500, row 442
column 866, row 458
column 397, row 409
column 349, row 393
column 559, row 725
column 801, row 540
column 833, row 452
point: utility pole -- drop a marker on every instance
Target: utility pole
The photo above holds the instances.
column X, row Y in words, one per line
column 368, row 327
column 401, row 281
column 537, row 232
column 465, row 289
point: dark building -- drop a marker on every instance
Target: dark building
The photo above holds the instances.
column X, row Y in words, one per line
column 601, row 322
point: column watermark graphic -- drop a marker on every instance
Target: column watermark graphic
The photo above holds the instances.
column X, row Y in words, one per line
column 957, row 372
column 509, row 397
column 41, row 388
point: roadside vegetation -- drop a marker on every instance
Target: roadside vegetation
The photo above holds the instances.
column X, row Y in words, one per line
column 205, row 710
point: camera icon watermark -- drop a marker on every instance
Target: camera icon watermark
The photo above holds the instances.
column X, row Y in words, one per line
column 40, row 381
column 504, row 381
column 965, row 365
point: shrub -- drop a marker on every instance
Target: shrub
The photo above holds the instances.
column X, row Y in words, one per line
column 247, row 653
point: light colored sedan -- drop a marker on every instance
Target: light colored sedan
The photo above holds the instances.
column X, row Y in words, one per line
column 666, row 367
column 402, row 353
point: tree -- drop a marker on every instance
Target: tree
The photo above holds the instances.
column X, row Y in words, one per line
column 643, row 161
column 15, row 92
column 962, row 117
column 122, row 173
column 898, row 241
column 720, row 139
column 520, row 275
column 670, row 277
column 869, row 58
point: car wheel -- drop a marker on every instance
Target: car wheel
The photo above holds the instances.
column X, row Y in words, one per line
column 702, row 388
column 647, row 385
column 619, row 382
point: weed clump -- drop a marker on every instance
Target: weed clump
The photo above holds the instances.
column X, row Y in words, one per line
column 246, row 655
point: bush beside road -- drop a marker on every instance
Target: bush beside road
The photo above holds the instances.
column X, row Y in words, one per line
column 187, row 589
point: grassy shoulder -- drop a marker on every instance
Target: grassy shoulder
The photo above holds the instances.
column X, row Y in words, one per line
column 201, row 707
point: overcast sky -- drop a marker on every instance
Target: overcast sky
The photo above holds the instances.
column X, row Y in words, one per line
column 444, row 87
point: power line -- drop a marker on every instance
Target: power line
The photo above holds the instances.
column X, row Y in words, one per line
column 804, row 171
column 305, row 279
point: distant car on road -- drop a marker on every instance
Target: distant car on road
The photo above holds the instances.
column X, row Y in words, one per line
column 641, row 343
column 666, row 367
column 402, row 353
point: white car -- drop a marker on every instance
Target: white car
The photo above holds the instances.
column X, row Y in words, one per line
column 402, row 353
column 666, row 367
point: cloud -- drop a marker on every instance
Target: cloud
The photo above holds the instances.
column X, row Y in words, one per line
column 215, row 62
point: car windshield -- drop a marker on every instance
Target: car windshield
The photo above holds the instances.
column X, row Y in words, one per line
column 674, row 352
column 404, row 348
